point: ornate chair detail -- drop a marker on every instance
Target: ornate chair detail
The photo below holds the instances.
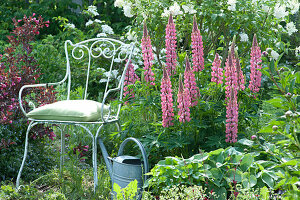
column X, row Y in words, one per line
column 83, row 112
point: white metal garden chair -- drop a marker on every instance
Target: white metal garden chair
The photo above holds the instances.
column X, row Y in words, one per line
column 83, row 112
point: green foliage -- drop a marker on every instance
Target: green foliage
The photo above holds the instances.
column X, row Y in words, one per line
column 182, row 192
column 127, row 193
column 221, row 170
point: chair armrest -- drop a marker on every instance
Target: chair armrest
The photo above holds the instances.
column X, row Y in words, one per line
column 32, row 86
column 103, row 103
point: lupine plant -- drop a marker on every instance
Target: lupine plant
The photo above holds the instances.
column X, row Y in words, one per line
column 171, row 44
column 147, row 56
column 130, row 79
column 197, row 47
column 217, row 71
column 184, row 102
column 255, row 75
column 190, row 83
column 166, row 100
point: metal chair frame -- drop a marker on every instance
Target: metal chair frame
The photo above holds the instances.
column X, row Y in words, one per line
column 106, row 47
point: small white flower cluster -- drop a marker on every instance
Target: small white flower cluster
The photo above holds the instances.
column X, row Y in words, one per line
column 69, row 26
column 265, row 8
column 90, row 22
column 274, row 55
column 244, row 37
column 293, row 5
column 175, row 10
column 291, row 28
column 107, row 29
column 101, row 35
column 280, row 11
column 92, row 11
column 131, row 35
column 189, row 8
column 111, row 75
column 231, row 5
column 119, row 3
column 127, row 7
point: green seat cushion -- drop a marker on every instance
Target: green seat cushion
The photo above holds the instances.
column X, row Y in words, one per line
column 70, row 110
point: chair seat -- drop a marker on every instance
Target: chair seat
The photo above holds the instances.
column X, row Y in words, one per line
column 70, row 110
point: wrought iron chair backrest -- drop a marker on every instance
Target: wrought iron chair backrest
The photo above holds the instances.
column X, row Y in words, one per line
column 113, row 51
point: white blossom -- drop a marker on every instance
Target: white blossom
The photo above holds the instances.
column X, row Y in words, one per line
column 297, row 51
column 90, row 22
column 101, row 35
column 291, row 28
column 107, row 29
column 274, row 55
column 112, row 74
column 127, row 8
column 280, row 11
column 119, row 3
column 175, row 9
column 265, row 8
column 70, row 26
column 294, row 6
column 231, row 5
column 244, row 37
column 92, row 10
column 189, row 8
column 131, row 35
column 166, row 13
column 254, row 1
column 98, row 21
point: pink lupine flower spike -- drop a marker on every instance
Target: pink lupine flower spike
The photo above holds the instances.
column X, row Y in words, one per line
column 171, row 44
column 166, row 100
column 190, row 83
column 147, row 56
column 231, row 97
column 197, row 48
column 184, row 102
column 255, row 75
column 130, row 79
column 217, row 71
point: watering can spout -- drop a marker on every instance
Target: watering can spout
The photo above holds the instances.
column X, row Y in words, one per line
column 107, row 159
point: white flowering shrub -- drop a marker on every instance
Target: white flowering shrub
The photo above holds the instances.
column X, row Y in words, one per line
column 219, row 21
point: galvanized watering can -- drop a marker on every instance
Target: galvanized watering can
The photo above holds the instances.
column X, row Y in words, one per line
column 124, row 169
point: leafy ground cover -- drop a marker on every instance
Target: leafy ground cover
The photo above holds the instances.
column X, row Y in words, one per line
column 212, row 93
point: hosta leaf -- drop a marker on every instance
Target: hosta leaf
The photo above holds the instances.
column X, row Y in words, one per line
column 247, row 161
column 267, row 179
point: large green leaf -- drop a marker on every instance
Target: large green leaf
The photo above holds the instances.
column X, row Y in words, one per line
column 272, row 67
column 200, row 157
column 246, row 142
column 249, row 181
column 276, row 102
column 247, row 161
column 267, row 179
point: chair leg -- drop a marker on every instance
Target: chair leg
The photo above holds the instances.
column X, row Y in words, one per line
column 62, row 150
column 25, row 155
column 95, row 163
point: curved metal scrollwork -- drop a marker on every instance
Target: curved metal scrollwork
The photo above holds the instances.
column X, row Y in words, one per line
column 103, row 48
column 123, row 52
column 107, row 48
column 79, row 48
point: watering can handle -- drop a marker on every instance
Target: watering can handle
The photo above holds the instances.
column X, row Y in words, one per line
column 146, row 167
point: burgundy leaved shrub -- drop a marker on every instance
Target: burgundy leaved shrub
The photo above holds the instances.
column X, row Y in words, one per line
column 18, row 68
